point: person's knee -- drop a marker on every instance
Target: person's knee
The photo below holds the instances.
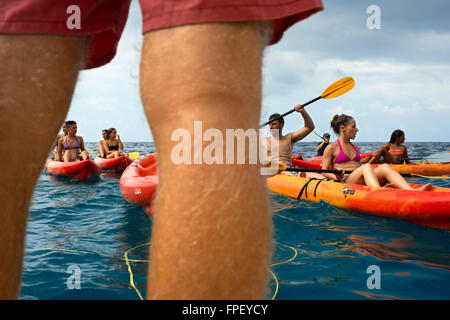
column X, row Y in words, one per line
column 385, row 168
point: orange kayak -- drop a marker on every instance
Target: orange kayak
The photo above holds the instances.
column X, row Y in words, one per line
column 139, row 181
column 419, row 168
column 119, row 163
column 428, row 208
column 80, row 170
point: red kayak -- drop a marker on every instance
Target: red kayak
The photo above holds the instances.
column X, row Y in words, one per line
column 299, row 161
column 316, row 162
column 80, row 170
column 139, row 181
column 363, row 155
column 119, row 163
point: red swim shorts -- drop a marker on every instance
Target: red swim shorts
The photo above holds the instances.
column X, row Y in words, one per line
column 104, row 20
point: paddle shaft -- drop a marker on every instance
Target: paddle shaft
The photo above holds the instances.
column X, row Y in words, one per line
column 315, row 170
column 290, row 111
column 408, row 175
column 402, row 159
column 319, row 136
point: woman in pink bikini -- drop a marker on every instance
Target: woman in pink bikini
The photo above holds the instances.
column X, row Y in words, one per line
column 343, row 155
column 71, row 146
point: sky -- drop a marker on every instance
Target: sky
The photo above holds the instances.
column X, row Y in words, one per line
column 401, row 72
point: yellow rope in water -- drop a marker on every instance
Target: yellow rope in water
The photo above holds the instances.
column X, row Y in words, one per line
column 66, row 250
column 127, row 261
column 289, row 260
column 280, row 263
column 130, row 271
column 79, row 251
column 131, row 276
column 276, row 285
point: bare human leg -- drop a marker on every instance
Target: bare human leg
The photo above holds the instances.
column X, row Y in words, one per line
column 38, row 75
column 365, row 174
column 84, row 155
column 101, row 149
column 212, row 229
column 385, row 171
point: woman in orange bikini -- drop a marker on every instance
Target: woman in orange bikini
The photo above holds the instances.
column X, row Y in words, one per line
column 393, row 151
column 343, row 155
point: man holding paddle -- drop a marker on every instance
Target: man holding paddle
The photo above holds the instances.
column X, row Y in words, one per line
column 323, row 145
column 286, row 142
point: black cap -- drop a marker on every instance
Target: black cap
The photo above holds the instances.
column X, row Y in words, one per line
column 326, row 135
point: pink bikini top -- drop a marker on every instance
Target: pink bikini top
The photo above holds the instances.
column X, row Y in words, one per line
column 342, row 157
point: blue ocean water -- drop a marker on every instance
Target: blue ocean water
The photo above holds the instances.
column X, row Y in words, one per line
column 83, row 230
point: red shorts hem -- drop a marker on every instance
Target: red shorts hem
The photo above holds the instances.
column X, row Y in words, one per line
column 284, row 15
column 104, row 20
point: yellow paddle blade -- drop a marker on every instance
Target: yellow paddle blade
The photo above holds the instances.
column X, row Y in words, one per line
column 338, row 88
column 133, row 155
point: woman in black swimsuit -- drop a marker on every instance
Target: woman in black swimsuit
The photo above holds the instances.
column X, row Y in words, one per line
column 113, row 145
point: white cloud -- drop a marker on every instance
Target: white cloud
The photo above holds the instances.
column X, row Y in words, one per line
column 340, row 110
column 364, row 66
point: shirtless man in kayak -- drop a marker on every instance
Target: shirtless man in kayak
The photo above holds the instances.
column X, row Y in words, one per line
column 71, row 146
column 286, row 142
column 101, row 149
column 55, row 143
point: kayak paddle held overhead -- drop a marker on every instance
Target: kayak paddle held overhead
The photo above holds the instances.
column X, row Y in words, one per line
column 334, row 90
